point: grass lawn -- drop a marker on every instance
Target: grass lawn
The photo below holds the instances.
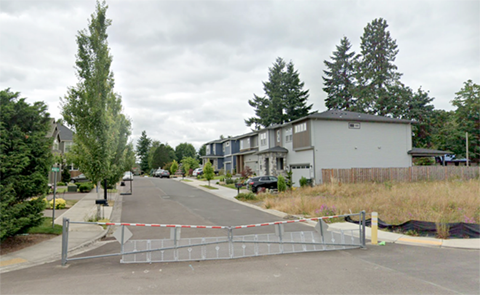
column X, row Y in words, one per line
column 435, row 201
column 46, row 228
column 232, row 186
column 209, row 187
column 187, row 180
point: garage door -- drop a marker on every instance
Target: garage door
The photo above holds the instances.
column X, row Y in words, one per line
column 299, row 171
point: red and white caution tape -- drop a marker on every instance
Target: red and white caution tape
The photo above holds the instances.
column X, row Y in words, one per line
column 222, row 227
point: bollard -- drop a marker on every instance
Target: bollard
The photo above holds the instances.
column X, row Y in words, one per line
column 374, row 228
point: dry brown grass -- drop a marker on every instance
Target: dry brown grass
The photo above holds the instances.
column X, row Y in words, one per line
column 439, row 201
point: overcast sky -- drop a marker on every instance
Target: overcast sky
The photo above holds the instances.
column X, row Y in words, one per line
column 186, row 69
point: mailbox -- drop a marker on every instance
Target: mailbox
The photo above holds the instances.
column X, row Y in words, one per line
column 238, row 185
column 101, row 202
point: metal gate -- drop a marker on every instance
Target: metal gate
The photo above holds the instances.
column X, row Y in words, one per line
column 274, row 238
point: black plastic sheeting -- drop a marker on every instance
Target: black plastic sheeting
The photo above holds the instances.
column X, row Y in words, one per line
column 429, row 229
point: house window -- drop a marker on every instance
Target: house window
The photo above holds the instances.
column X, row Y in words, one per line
column 248, row 142
column 301, row 127
column 55, row 144
column 352, row 125
column 279, row 163
column 67, row 146
column 207, row 150
column 288, row 135
column 241, row 144
column 279, row 135
column 263, row 139
column 214, row 149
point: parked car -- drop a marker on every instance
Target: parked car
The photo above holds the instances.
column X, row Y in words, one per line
column 198, row 171
column 266, row 181
column 165, row 173
column 128, row 176
column 158, row 172
column 79, row 178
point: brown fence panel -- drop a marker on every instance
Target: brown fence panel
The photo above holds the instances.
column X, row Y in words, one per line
column 407, row 174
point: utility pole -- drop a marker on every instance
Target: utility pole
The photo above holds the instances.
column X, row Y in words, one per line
column 466, row 141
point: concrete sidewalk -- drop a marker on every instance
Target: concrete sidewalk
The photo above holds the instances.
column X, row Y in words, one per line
column 384, row 236
column 80, row 235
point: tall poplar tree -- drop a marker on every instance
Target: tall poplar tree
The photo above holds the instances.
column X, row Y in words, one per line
column 92, row 108
column 376, row 71
column 339, row 79
column 284, row 100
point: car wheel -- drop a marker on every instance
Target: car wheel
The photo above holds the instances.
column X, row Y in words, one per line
column 254, row 189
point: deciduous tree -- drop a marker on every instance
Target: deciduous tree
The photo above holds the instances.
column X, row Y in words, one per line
column 208, row 172
column 92, row 108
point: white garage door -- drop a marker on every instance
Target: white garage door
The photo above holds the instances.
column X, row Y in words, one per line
column 299, row 171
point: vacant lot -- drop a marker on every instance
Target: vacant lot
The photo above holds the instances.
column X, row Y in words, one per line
column 440, row 201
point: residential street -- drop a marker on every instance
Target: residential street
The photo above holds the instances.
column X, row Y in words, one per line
column 390, row 269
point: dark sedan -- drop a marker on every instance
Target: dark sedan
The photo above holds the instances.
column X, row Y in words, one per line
column 267, row 181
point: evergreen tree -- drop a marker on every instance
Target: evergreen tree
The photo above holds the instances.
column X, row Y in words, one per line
column 26, row 158
column 376, row 71
column 92, row 108
column 143, row 146
column 151, row 152
column 339, row 79
column 284, row 100
column 295, row 98
column 467, row 116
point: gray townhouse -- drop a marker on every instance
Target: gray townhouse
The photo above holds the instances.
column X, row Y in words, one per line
column 329, row 140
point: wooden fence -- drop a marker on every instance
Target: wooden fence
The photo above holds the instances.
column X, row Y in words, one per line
column 408, row 174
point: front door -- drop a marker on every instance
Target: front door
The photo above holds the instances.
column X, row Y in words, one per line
column 267, row 167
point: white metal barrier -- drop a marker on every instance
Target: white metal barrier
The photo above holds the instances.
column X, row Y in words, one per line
column 232, row 244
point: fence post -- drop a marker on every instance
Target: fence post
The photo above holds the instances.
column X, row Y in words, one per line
column 363, row 229
column 66, row 225
column 374, row 228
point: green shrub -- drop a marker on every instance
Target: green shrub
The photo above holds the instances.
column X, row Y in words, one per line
column 229, row 175
column 66, row 177
column 229, row 181
column 59, row 203
column 281, row 184
column 303, row 181
column 221, row 172
column 61, row 184
column 85, row 187
column 246, row 196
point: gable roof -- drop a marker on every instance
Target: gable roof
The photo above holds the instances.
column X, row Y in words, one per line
column 352, row 116
column 65, row 133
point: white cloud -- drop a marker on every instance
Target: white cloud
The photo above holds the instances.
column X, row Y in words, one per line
column 186, row 69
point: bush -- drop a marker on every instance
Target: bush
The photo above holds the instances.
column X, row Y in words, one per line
column 59, row 203
column 229, row 181
column 246, row 196
column 282, row 184
column 221, row 172
column 85, row 187
column 66, row 177
column 303, row 181
column 61, row 184
column 229, row 175
column 247, row 172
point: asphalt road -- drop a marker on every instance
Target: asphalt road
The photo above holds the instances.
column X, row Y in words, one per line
column 391, row 269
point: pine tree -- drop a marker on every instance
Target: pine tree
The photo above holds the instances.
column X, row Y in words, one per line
column 295, row 98
column 339, row 78
column 284, row 100
column 26, row 158
column 375, row 70
column 143, row 147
